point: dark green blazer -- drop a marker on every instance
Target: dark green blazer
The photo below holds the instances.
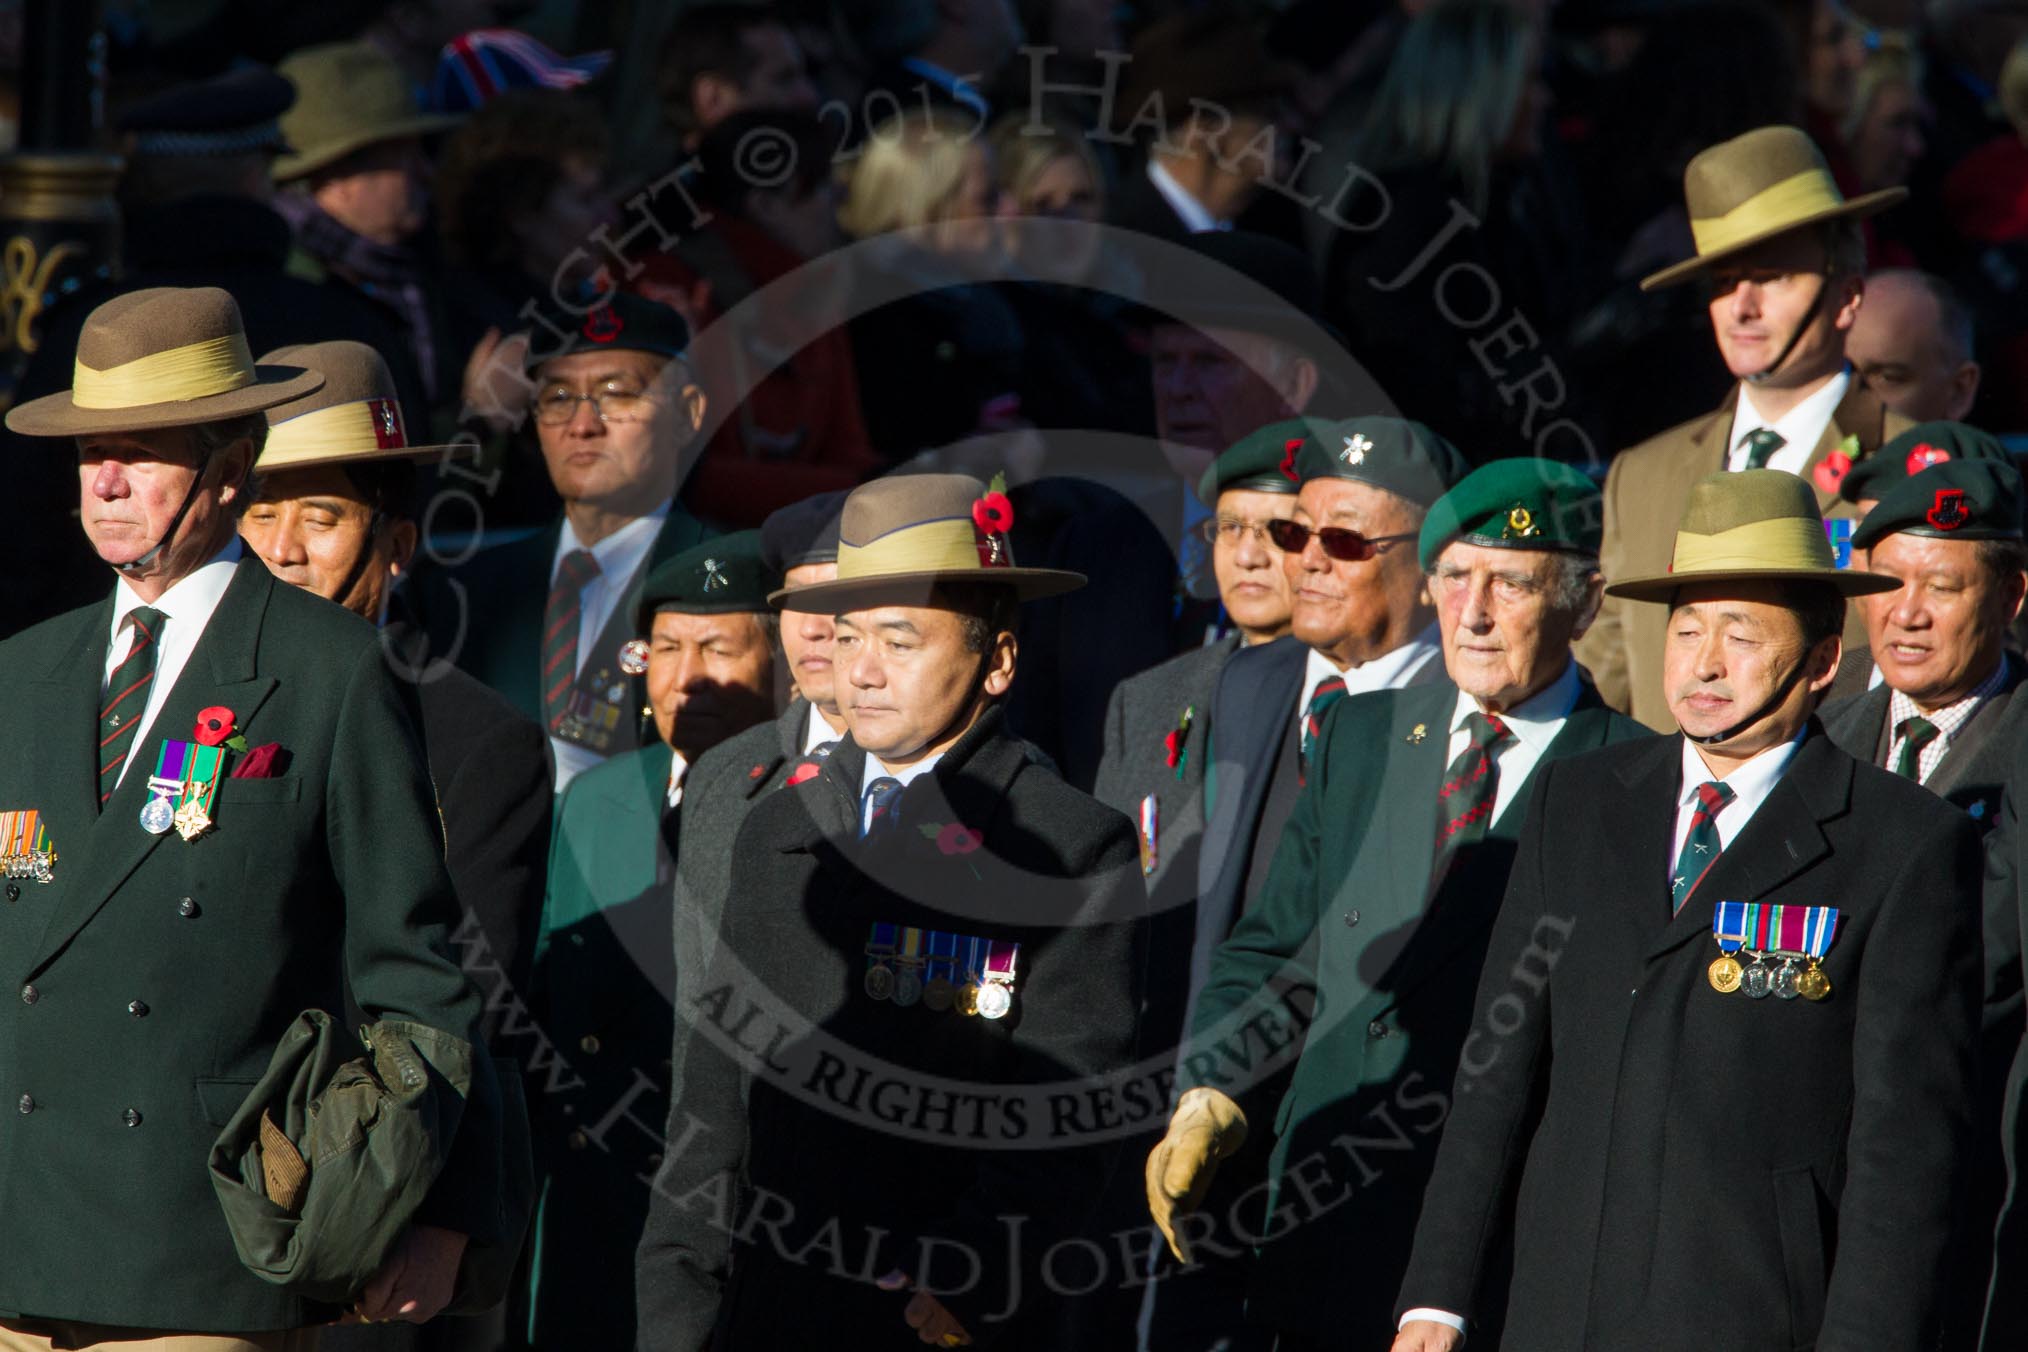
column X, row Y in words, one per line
column 153, row 977
column 1350, row 914
column 602, row 992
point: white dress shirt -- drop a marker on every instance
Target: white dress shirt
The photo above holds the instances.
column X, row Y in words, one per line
column 906, row 775
column 620, row 555
column 1801, row 428
column 1389, row 671
column 1196, row 217
column 816, row 732
column 1535, row 721
column 186, row 606
column 678, row 770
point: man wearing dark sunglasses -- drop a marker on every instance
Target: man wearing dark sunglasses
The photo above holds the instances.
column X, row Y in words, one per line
column 1783, row 264
column 1361, row 621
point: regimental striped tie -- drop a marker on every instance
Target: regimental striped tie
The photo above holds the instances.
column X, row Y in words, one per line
column 127, row 697
column 1465, row 802
column 1761, row 444
column 877, row 806
column 1916, row 733
column 1702, row 846
column 1328, row 692
column 559, row 632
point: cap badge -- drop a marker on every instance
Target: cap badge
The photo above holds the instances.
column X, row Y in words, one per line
column 1520, row 524
column 714, row 575
column 1948, row 512
column 602, row 325
column 1356, row 447
column 387, row 429
column 1925, row 455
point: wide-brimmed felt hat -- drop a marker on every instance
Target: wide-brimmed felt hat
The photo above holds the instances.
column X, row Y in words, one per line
column 1751, row 525
column 349, row 95
column 166, row 356
column 1754, row 187
column 902, row 536
column 354, row 418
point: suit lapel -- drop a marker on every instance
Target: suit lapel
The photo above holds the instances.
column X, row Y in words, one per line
column 1406, row 816
column 74, row 686
column 221, row 671
column 1977, row 734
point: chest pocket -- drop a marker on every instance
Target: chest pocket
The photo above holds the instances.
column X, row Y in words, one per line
column 279, row 789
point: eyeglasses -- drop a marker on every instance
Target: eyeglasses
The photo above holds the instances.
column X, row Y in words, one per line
column 1346, row 546
column 1227, row 530
column 613, row 403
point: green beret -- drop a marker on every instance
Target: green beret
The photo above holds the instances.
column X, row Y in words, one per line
column 1264, row 461
column 1522, row 503
column 1403, row 457
column 722, row 576
column 1955, row 500
column 1923, row 445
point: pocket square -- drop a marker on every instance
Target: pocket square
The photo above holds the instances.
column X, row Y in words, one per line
column 261, row 762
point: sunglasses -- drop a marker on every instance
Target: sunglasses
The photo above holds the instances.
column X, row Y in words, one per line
column 1346, row 546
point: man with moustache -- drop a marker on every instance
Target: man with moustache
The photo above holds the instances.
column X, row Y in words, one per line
column 542, row 619
column 159, row 968
column 937, row 908
column 334, row 513
column 604, row 984
column 1780, row 255
column 1707, row 1111
column 1360, row 621
column 1381, row 902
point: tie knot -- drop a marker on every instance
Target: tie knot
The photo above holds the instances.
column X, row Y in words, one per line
column 1486, row 730
column 1714, row 796
column 1765, row 439
column 577, row 568
column 147, row 623
column 1328, row 689
column 1917, row 729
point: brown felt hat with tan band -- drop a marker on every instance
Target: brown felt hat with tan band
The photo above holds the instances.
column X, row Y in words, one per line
column 167, row 356
column 1754, row 187
column 1754, row 525
column 355, row 417
column 902, row 536
column 349, row 95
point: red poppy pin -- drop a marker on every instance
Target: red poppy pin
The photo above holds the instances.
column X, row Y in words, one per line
column 1948, row 512
column 804, row 773
column 955, row 839
column 1831, row 471
column 1174, row 744
column 1925, row 455
column 992, row 518
column 214, row 728
column 1289, row 449
column 603, row 324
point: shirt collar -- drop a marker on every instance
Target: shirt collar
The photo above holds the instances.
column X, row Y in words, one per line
column 1752, row 781
column 816, row 732
column 678, row 769
column 875, row 770
column 1951, row 716
column 1537, row 719
column 1802, row 425
column 619, row 553
column 196, row 594
column 1193, row 213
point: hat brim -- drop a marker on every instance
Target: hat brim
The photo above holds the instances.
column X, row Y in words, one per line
column 309, row 161
column 1663, row 586
column 448, row 451
column 57, row 415
column 1870, row 204
column 903, row 589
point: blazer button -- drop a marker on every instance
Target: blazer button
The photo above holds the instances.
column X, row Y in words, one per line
column 578, row 1140
column 27, row 1104
column 137, row 1008
column 589, row 1044
column 187, row 909
column 132, row 1117
column 1351, row 918
column 29, row 995
column 14, row 891
column 1376, row 1029
column 655, row 1161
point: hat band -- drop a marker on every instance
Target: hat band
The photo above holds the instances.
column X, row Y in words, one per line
column 949, row 545
column 1793, row 199
column 342, row 429
column 193, row 371
column 1784, row 544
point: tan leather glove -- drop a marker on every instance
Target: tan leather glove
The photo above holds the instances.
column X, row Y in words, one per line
column 1206, row 1128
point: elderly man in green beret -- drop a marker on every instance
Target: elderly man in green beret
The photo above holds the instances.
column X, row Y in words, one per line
column 603, row 986
column 1380, row 901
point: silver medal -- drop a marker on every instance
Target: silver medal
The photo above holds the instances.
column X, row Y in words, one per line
column 1785, row 980
column 158, row 816
column 1758, row 980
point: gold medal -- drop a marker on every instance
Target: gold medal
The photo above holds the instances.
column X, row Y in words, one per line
column 1725, row 973
column 1811, row 982
column 191, row 819
column 967, row 999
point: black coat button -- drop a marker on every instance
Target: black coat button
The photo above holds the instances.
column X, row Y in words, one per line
column 133, row 1117
column 29, row 995
column 187, row 909
column 578, row 1140
column 14, row 891
column 137, row 1008
column 27, row 1104
column 590, row 1044
column 1376, row 1029
column 1351, row 918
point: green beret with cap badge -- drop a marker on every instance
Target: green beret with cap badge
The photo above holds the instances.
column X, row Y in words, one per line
column 723, row 576
column 1263, row 461
column 1954, row 500
column 1521, row 503
column 1403, row 457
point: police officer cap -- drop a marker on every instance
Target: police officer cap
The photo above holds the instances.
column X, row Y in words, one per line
column 623, row 322
column 1262, row 461
column 803, row 532
column 229, row 114
column 1955, row 500
column 1923, row 445
column 1403, row 457
column 1521, row 503
column 723, row 576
